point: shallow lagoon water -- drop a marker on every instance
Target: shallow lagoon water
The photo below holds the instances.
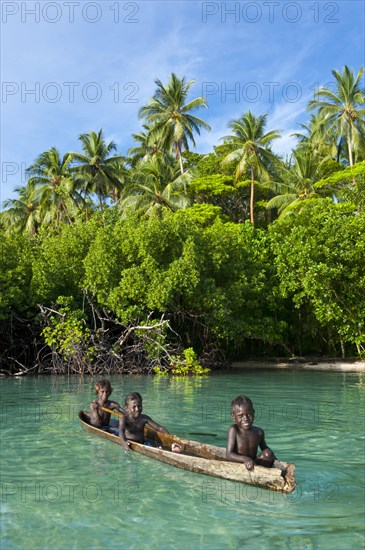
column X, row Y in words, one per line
column 62, row 488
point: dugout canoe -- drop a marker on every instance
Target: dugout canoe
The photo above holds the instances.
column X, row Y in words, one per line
column 203, row 458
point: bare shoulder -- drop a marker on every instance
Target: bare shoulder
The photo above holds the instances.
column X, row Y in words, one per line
column 258, row 431
column 232, row 429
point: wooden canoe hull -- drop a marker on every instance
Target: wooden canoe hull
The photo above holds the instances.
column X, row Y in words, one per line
column 204, row 459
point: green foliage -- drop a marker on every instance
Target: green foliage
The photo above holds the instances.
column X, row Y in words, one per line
column 219, row 273
column 343, row 176
column 350, row 182
column 58, row 261
column 232, row 197
column 183, row 366
column 202, row 214
column 207, row 165
column 189, row 365
column 15, row 274
column 67, row 332
column 213, row 185
column 320, row 258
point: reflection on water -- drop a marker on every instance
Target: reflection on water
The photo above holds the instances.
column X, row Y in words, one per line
column 64, row 488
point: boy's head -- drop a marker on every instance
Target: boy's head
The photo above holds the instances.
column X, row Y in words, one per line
column 242, row 411
column 103, row 385
column 133, row 404
column 133, row 396
column 241, row 400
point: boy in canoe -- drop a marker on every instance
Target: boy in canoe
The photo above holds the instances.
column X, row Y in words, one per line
column 131, row 425
column 244, row 438
column 99, row 417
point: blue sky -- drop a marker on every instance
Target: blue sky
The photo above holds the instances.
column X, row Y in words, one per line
column 69, row 67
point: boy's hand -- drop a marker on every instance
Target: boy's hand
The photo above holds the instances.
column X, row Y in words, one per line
column 249, row 463
column 176, row 448
column 94, row 406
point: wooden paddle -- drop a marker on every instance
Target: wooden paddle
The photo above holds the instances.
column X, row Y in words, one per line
column 116, row 413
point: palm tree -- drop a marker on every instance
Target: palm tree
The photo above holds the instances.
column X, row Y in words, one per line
column 145, row 149
column 341, row 109
column 172, row 123
column 298, row 179
column 53, row 188
column 155, row 186
column 249, row 150
column 318, row 139
column 21, row 215
column 100, row 173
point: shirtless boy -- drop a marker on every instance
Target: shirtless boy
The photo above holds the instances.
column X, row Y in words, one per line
column 131, row 425
column 244, row 438
column 99, row 417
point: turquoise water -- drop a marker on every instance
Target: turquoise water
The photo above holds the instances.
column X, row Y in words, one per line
column 62, row 488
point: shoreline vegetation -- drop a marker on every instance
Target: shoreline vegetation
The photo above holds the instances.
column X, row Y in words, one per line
column 334, row 364
column 165, row 261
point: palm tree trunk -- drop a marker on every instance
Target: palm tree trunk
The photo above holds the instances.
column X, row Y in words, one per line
column 351, row 161
column 179, row 155
column 252, row 197
column 350, row 152
column 181, row 164
column 180, row 161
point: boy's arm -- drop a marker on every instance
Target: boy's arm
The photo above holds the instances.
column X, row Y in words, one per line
column 114, row 405
column 94, row 414
column 156, row 426
column 231, row 448
column 264, row 446
column 122, row 436
column 262, row 443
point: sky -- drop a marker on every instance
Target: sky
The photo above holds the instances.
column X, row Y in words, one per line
column 75, row 66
